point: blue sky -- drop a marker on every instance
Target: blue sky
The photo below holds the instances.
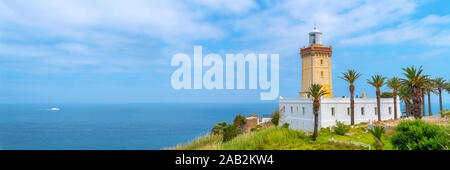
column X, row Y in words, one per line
column 89, row 51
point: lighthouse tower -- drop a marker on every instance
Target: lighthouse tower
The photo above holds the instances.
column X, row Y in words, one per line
column 316, row 65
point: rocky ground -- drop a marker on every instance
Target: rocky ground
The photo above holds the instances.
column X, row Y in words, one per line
column 435, row 119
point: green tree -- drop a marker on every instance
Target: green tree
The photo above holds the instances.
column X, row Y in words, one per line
column 419, row 135
column 447, row 87
column 386, row 95
column 350, row 76
column 415, row 80
column 275, row 117
column 230, row 132
column 239, row 121
column 377, row 132
column 316, row 92
column 341, row 128
column 394, row 83
column 377, row 82
column 439, row 84
column 219, row 128
column 405, row 96
column 430, row 88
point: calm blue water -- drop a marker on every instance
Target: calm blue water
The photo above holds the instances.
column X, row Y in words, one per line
column 113, row 126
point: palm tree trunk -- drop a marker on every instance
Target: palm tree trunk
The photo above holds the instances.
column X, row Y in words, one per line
column 423, row 103
column 407, row 108
column 316, row 118
column 378, row 104
column 352, row 104
column 416, row 96
column 429, row 105
column 395, row 103
column 440, row 99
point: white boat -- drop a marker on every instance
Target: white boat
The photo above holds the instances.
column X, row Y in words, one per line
column 54, row 109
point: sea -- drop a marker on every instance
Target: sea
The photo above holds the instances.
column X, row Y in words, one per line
column 114, row 126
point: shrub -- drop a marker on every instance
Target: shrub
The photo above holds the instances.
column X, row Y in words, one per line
column 230, row 132
column 341, row 128
column 418, row 135
column 377, row 132
column 445, row 113
column 285, row 125
column 239, row 120
column 386, row 95
column 275, row 117
column 218, row 128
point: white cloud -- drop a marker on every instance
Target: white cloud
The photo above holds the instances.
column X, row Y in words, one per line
column 226, row 6
column 138, row 33
column 286, row 24
column 162, row 19
column 426, row 30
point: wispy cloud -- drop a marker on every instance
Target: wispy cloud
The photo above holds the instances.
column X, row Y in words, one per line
column 427, row 30
column 80, row 35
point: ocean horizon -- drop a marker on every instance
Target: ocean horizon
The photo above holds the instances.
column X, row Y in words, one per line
column 140, row 126
column 113, row 126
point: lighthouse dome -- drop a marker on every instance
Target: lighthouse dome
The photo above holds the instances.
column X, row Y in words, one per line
column 315, row 36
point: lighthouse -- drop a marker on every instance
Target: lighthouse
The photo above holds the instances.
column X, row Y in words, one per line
column 316, row 65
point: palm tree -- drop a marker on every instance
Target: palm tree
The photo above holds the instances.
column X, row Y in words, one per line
column 316, row 92
column 350, row 76
column 447, row 87
column 430, row 88
column 423, row 100
column 415, row 80
column 440, row 84
column 406, row 97
column 377, row 81
column 394, row 84
column 377, row 132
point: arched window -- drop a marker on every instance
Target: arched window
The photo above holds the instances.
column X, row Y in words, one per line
column 292, row 109
column 321, row 61
column 362, row 111
column 332, row 111
column 348, row 111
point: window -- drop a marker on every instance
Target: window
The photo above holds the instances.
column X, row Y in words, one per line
column 362, row 111
column 303, row 110
column 390, row 110
column 292, row 109
column 282, row 109
column 348, row 111
column 332, row 111
column 321, row 61
column 375, row 110
column 297, row 108
column 321, row 73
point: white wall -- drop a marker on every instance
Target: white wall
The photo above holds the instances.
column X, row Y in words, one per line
column 305, row 121
column 297, row 119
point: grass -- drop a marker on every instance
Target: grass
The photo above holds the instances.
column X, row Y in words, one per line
column 208, row 142
column 272, row 138
column 359, row 135
column 279, row 138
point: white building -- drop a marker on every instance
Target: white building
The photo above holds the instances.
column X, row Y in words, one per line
column 316, row 68
column 298, row 113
